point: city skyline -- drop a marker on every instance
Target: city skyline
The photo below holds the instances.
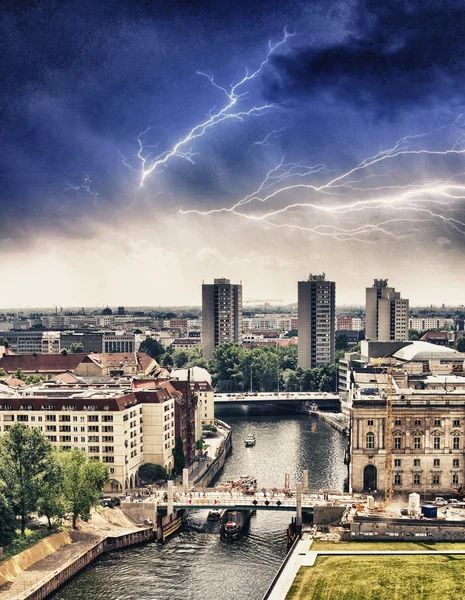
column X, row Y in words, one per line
column 136, row 142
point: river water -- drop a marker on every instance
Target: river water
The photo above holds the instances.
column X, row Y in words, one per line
column 195, row 564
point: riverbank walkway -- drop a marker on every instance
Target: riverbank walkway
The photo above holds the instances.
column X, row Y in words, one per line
column 44, row 570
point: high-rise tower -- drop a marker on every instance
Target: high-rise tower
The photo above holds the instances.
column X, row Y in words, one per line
column 316, row 308
column 386, row 313
column 221, row 314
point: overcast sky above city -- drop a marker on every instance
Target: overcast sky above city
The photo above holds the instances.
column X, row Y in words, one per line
column 150, row 145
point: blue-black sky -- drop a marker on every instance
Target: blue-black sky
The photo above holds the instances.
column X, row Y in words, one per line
column 82, row 80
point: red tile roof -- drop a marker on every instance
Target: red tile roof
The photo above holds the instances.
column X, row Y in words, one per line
column 37, row 363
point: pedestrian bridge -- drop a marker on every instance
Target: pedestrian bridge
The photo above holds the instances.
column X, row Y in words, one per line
column 263, row 500
column 257, row 397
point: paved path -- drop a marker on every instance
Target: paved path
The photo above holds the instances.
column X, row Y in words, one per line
column 45, row 568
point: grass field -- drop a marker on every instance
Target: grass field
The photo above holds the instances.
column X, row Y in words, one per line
column 342, row 546
column 381, row 578
column 23, row 542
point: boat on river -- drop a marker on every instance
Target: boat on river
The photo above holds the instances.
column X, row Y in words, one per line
column 214, row 515
column 233, row 522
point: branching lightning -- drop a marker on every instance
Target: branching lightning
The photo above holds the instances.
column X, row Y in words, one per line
column 327, row 202
column 85, row 186
column 228, row 112
column 266, row 139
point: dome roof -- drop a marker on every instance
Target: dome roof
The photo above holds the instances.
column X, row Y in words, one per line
column 424, row 351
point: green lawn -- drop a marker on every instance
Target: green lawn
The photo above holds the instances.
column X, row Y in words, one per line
column 319, row 546
column 23, row 542
column 381, row 578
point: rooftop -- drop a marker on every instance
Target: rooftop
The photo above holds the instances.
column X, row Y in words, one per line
column 419, row 350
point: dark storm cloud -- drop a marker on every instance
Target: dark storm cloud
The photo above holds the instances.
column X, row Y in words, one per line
column 397, row 55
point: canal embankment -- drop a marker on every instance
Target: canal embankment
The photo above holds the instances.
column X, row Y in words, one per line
column 338, row 421
column 40, row 570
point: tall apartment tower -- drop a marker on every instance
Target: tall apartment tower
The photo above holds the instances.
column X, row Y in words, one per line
column 386, row 313
column 221, row 314
column 316, row 318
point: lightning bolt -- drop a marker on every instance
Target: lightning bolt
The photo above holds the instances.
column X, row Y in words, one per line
column 265, row 140
column 227, row 112
column 418, row 199
column 85, row 186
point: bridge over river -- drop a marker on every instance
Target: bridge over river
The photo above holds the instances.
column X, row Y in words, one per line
column 261, row 500
column 322, row 399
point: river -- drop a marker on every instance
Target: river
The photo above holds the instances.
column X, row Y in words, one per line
column 195, row 564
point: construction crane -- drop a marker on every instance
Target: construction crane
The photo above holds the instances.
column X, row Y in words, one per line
column 388, row 491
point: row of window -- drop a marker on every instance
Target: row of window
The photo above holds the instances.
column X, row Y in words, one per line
column 62, row 418
column 417, row 422
column 417, row 442
column 435, row 480
column 436, row 462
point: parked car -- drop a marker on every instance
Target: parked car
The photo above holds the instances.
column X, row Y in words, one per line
column 440, row 501
column 453, row 501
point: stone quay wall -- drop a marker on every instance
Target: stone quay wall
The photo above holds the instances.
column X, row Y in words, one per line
column 77, row 563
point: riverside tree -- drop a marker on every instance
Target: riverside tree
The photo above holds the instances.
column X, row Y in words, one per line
column 83, row 481
column 150, row 472
column 51, row 502
column 7, row 521
column 24, row 455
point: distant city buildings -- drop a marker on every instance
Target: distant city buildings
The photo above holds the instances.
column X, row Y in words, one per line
column 425, row 323
column 386, row 313
column 221, row 314
column 316, row 316
column 349, row 324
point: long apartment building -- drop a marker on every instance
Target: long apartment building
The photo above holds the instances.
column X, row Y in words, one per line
column 424, row 323
column 121, row 428
column 428, row 397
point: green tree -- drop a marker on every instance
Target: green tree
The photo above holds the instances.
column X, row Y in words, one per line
column 4, row 342
column 76, row 348
column 7, row 521
column 460, row 344
column 341, row 342
column 181, row 358
column 150, row 472
column 414, row 335
column 83, row 481
column 167, row 360
column 19, row 374
column 3, row 373
column 24, row 454
column 152, row 347
column 51, row 503
column 178, row 454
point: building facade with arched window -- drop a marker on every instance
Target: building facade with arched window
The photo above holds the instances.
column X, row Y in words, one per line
column 428, row 442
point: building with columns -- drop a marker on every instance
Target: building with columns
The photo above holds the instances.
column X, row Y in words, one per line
column 428, row 397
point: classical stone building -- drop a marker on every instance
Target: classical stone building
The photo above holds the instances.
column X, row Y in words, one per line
column 428, row 394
